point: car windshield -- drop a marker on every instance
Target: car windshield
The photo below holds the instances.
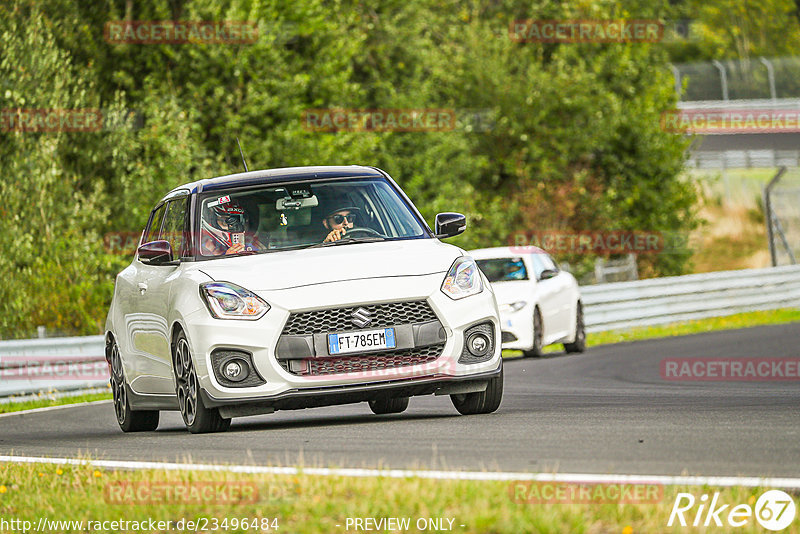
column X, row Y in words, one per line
column 300, row 215
column 503, row 269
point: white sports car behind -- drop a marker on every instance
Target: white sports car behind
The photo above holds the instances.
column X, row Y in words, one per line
column 539, row 303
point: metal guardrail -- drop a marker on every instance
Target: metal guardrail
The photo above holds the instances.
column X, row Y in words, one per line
column 59, row 363
column 695, row 296
column 743, row 159
column 32, row 365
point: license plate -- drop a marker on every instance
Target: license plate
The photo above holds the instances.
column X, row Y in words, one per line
column 363, row 341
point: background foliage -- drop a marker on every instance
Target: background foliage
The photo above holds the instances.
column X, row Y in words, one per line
column 573, row 140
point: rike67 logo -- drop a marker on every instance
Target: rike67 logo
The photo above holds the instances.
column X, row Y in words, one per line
column 774, row 510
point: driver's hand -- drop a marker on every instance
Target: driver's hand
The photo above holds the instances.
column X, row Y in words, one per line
column 335, row 235
column 238, row 247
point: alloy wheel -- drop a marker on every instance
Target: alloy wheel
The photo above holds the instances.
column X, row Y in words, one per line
column 538, row 335
column 187, row 382
column 118, row 385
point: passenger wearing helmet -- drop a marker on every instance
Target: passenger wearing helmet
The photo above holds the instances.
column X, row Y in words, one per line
column 222, row 229
column 339, row 221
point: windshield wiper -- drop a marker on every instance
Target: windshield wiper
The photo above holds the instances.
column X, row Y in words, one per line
column 349, row 240
column 281, row 249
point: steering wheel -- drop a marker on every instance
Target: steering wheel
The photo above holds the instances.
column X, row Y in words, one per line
column 363, row 231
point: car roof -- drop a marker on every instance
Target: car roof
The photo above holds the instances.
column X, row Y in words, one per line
column 284, row 174
column 505, row 252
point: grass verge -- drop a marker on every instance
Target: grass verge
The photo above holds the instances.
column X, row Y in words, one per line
column 46, row 400
column 739, row 320
column 323, row 504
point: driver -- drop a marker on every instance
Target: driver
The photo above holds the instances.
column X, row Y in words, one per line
column 339, row 221
column 223, row 230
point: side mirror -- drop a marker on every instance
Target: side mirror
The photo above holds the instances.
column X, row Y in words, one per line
column 155, row 252
column 450, row 224
column 547, row 274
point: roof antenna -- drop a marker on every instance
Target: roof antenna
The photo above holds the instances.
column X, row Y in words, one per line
column 242, row 153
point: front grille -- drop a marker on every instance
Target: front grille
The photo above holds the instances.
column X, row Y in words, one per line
column 369, row 362
column 339, row 319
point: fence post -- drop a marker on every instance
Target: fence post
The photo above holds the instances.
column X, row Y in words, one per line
column 771, row 76
column 677, row 74
column 768, row 213
column 723, row 77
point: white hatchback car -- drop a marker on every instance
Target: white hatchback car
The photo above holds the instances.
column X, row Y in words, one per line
column 539, row 303
column 294, row 288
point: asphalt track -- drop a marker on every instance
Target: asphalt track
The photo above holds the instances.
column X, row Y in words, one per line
column 605, row 411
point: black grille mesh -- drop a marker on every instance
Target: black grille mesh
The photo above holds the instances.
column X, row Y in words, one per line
column 338, row 319
column 372, row 362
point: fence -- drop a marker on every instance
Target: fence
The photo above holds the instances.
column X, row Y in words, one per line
column 67, row 363
column 695, row 296
column 782, row 210
column 756, row 78
column 615, row 270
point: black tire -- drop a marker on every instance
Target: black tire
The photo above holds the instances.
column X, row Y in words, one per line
column 538, row 337
column 579, row 345
column 482, row 401
column 384, row 406
column 198, row 418
column 128, row 420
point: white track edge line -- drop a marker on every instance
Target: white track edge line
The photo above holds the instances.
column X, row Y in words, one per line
column 49, row 408
column 667, row 480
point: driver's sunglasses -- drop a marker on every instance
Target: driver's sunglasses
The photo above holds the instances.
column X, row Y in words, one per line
column 339, row 219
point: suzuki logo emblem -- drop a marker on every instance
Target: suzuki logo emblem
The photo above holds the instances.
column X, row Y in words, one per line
column 361, row 317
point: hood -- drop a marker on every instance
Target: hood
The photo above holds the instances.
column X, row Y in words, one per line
column 295, row 268
column 508, row 292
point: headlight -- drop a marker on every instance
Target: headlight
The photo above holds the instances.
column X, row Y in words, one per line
column 229, row 301
column 463, row 279
column 514, row 306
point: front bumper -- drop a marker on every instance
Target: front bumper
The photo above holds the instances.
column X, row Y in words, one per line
column 260, row 339
column 518, row 325
column 312, row 397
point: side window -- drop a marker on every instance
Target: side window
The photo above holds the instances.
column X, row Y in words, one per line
column 399, row 215
column 538, row 266
column 155, row 225
column 548, row 262
column 174, row 225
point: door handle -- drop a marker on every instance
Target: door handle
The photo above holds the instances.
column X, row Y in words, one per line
column 142, row 288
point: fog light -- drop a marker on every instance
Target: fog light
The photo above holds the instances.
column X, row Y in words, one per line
column 235, row 370
column 478, row 344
